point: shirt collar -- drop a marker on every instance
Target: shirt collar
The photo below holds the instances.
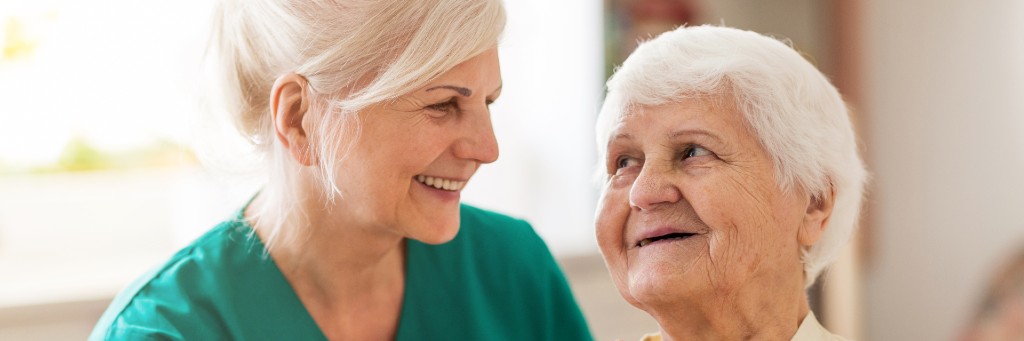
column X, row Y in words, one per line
column 811, row 330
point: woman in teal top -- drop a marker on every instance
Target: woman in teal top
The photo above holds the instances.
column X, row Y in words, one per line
column 372, row 117
column 495, row 281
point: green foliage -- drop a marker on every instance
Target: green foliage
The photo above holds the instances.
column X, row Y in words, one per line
column 80, row 156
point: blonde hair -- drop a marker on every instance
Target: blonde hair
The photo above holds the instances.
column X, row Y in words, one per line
column 353, row 54
column 797, row 115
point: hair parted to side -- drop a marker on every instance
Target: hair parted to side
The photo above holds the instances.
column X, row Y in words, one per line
column 794, row 111
column 352, row 53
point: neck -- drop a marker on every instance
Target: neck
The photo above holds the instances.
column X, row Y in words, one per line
column 333, row 262
column 738, row 316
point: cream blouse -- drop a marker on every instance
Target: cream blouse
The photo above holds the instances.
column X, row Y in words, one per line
column 810, row 330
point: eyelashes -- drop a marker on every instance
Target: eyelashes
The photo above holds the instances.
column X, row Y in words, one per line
column 444, row 108
column 690, row 151
column 449, row 107
column 625, row 161
column 695, row 151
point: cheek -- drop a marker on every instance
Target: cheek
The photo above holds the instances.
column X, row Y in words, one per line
column 612, row 212
column 744, row 232
column 756, row 229
column 391, row 164
column 610, row 221
column 424, row 144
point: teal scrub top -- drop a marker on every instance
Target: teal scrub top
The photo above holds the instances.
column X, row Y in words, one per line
column 496, row 280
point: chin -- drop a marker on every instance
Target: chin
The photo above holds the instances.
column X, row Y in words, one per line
column 658, row 288
column 438, row 233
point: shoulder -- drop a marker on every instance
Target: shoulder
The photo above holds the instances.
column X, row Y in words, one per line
column 514, row 258
column 495, row 238
column 160, row 303
column 499, row 272
column 474, row 216
column 480, row 226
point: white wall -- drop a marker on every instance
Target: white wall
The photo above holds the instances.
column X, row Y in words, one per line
column 551, row 60
column 944, row 119
column 801, row 22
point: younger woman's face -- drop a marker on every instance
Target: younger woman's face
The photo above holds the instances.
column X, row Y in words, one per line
column 406, row 169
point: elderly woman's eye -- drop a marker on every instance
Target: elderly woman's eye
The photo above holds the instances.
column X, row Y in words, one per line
column 695, row 151
column 625, row 161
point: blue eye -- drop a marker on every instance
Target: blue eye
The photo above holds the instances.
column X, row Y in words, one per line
column 696, row 151
column 624, row 162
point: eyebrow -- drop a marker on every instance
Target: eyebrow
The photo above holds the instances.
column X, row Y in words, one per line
column 621, row 136
column 462, row 91
column 684, row 132
column 465, row 92
column 672, row 135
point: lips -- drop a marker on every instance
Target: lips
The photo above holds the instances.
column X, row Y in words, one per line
column 668, row 236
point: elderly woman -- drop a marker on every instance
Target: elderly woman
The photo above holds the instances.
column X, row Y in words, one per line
column 372, row 117
column 733, row 179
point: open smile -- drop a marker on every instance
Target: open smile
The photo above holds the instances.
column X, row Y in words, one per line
column 666, row 237
column 450, row 185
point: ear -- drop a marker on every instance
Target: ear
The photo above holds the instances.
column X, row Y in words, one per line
column 819, row 209
column 288, row 107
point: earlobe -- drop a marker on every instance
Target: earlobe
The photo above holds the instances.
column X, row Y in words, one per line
column 288, row 106
column 819, row 209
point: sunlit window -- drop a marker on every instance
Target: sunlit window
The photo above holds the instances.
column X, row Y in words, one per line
column 99, row 178
column 96, row 180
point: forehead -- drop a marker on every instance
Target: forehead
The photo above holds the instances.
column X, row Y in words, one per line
column 482, row 68
column 706, row 112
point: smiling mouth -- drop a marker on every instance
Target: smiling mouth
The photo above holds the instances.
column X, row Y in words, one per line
column 441, row 183
column 670, row 236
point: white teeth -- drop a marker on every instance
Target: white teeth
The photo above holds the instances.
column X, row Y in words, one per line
column 439, row 183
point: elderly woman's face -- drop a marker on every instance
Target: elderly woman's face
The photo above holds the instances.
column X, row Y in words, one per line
column 691, row 213
column 414, row 155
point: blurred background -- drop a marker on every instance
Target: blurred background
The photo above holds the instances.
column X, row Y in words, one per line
column 99, row 178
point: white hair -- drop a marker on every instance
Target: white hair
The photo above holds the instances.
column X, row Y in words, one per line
column 795, row 113
column 352, row 53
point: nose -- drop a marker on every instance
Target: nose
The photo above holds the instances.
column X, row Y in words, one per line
column 479, row 142
column 653, row 186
